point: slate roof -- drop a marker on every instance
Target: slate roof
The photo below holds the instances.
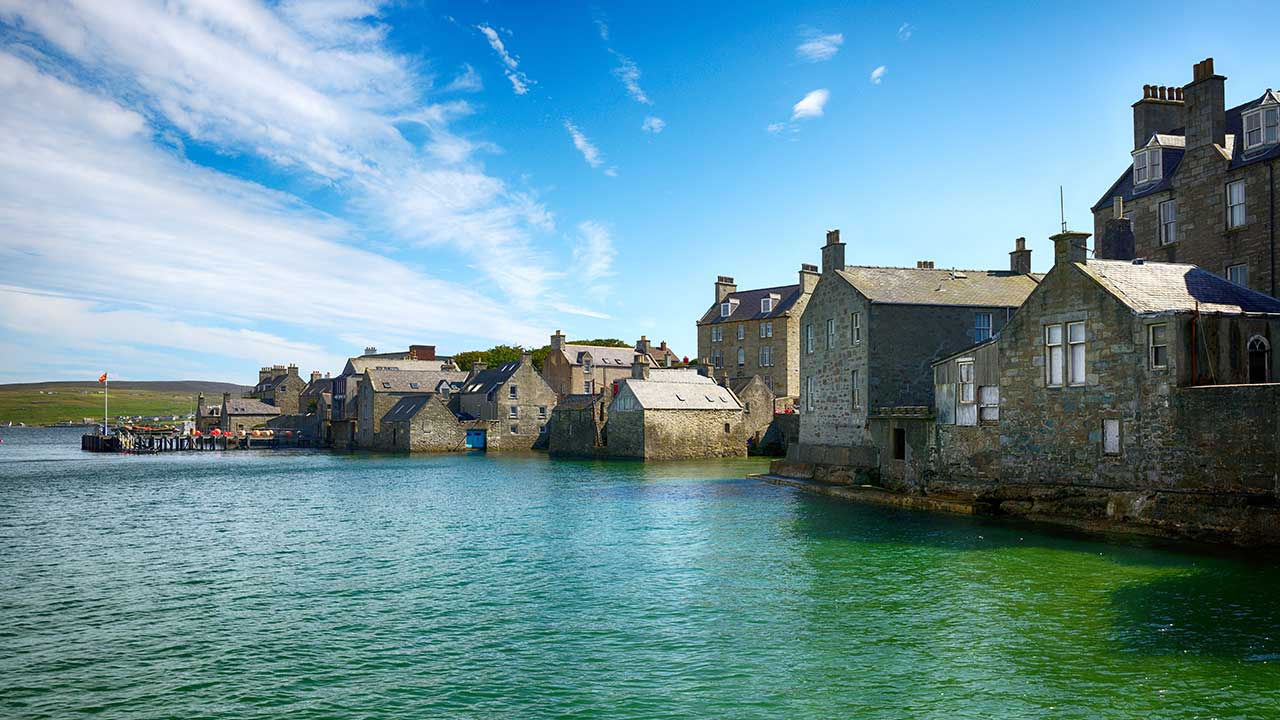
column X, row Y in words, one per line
column 407, row 407
column 357, row 365
column 321, row 386
column 690, row 391
column 748, row 307
column 602, row 356
column 1150, row 287
column 491, row 378
column 1173, row 157
column 412, row 381
column 577, row 402
column 739, row 384
column 249, row 406
column 924, row 286
column 270, row 383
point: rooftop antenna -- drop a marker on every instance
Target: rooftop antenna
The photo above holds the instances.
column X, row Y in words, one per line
column 1062, row 209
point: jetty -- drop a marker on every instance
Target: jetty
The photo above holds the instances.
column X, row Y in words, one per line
column 148, row 441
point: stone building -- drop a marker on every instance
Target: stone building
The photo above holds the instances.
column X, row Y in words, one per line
column 281, row 386
column 380, row 390
column 208, row 416
column 870, row 334
column 344, row 410
column 577, row 426
column 425, row 423
column 662, row 414
column 1201, row 185
column 243, row 414
column 513, row 400
column 757, row 332
column 573, row 369
column 757, row 400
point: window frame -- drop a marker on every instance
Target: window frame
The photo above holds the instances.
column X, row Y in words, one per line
column 855, row 390
column 971, row 396
column 1242, row 267
column 831, row 333
column 1260, row 115
column 808, row 393
column 513, row 412
column 978, row 328
column 766, row 304
column 1049, row 347
column 1152, row 346
column 1071, row 361
column 513, row 392
column 1119, row 437
column 1148, row 166
column 766, row 329
column 726, row 309
column 1232, row 224
column 855, row 327
column 742, row 332
column 809, row 340
column 742, row 357
column 1168, row 229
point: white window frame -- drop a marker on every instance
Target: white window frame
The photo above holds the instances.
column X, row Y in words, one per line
column 831, row 333
column 988, row 403
column 513, row 412
column 587, row 387
column 978, row 327
column 742, row 332
column 742, row 357
column 513, row 392
column 1168, row 221
column 855, row 391
column 1264, row 121
column 966, row 388
column 1235, row 205
column 766, row 329
column 1055, row 351
column 808, row 394
column 726, row 309
column 717, row 334
column 766, row 304
column 1238, row 274
column 1152, row 345
column 1077, row 365
column 808, row 339
column 766, row 356
column 855, row 327
column 1148, row 166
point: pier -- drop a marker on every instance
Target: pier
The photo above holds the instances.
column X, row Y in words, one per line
column 151, row 441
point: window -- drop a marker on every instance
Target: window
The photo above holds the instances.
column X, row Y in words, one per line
column 808, row 339
column 1168, row 222
column 808, row 394
column 831, row 333
column 742, row 332
column 1259, row 359
column 1111, row 436
column 766, row 329
column 966, row 389
column 1054, row 359
column 1075, row 359
column 1239, row 274
column 725, row 309
column 856, row 391
column 513, row 411
column 515, row 429
column 413, row 386
column 989, row 404
column 717, row 334
column 766, row 305
column 982, row 327
column 855, row 328
column 766, row 356
column 718, row 359
column 586, row 366
column 1260, row 127
column 742, row 357
column 1158, row 342
column 586, row 387
column 542, row 412
column 1147, row 166
column 899, row 444
column 1235, row 204
column 513, row 392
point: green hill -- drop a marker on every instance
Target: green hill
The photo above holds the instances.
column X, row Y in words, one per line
column 55, row 402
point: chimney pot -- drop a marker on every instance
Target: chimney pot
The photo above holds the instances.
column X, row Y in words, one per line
column 833, row 252
column 1070, row 247
column 1020, row 257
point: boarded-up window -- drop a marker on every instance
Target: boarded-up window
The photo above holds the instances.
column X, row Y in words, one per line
column 989, row 404
column 1111, row 436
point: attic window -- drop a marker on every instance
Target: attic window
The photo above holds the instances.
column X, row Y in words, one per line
column 1147, row 166
column 386, row 385
column 727, row 307
column 766, row 304
column 1262, row 126
column 413, row 385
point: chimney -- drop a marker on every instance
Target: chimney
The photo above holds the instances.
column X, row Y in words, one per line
column 832, row 253
column 924, row 264
column 1020, row 258
column 1161, row 110
column 371, row 350
column 1206, row 107
column 640, row 367
column 264, row 374
column 808, row 278
column 293, row 370
column 477, row 367
column 315, row 375
column 1070, row 247
column 724, row 286
column 422, row 352
column 226, row 398
column 557, row 340
column 526, row 358
column 642, row 345
column 1117, row 242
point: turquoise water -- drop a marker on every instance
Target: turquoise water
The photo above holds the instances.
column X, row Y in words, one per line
column 235, row 585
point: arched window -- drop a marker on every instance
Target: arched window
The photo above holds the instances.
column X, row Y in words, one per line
column 1259, row 359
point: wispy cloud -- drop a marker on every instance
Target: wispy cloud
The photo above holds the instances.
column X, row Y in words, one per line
column 603, row 28
column 818, row 47
column 511, row 66
column 589, row 151
column 811, row 106
column 629, row 74
column 653, row 124
column 905, row 30
column 878, row 74
column 467, row 80
column 593, row 256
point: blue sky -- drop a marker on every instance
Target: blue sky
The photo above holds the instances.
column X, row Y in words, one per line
column 191, row 189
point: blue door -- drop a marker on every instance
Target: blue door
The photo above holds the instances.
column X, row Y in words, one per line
column 475, row 439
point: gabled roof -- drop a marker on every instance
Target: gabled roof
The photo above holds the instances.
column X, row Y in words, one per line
column 1166, row 141
column 929, row 286
column 319, row 386
column 601, row 355
column 249, row 406
column 412, row 381
column 693, row 392
column 357, row 365
column 271, row 383
column 408, row 407
column 1149, row 287
column 490, row 378
column 748, row 305
column 739, row 384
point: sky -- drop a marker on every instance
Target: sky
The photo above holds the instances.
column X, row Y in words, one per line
column 191, row 189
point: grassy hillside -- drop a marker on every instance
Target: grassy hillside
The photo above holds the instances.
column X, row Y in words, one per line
column 49, row 403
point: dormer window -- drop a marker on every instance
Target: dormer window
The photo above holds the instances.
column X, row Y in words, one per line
column 727, row 307
column 766, row 305
column 1148, row 166
column 1262, row 126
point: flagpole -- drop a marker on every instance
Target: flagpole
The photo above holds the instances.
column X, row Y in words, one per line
column 106, row 394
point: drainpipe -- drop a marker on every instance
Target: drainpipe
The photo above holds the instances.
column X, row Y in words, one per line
column 1272, row 229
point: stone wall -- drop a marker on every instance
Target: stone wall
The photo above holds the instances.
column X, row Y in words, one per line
column 687, row 434
column 433, row 429
column 577, row 431
column 783, row 375
column 829, row 417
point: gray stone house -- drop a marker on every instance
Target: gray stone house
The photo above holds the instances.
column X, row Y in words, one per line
column 870, row 334
column 380, row 390
column 670, row 414
column 758, row 401
column 577, row 426
column 281, row 386
column 756, row 332
column 512, row 399
column 243, row 414
column 344, row 409
column 573, row 369
column 426, row 424
column 1201, row 185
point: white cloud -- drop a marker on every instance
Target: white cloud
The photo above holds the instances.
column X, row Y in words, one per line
column 904, row 31
column 653, row 124
column 590, row 152
column 878, row 74
column 603, row 27
column 467, row 80
column 519, row 81
column 777, row 127
column 811, row 106
column 819, row 47
column 629, row 74
column 593, row 256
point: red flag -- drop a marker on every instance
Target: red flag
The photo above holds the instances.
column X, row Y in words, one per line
column 103, row 378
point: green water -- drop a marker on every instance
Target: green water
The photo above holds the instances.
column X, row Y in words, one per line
column 237, row 585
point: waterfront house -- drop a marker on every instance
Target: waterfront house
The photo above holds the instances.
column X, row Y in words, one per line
column 1201, row 183
column 344, row 412
column 758, row 401
column 870, row 334
column 513, row 400
column 381, row 388
column 668, row 414
column 574, row 369
column 240, row 415
column 280, row 386
column 427, row 423
column 577, row 426
column 757, row 332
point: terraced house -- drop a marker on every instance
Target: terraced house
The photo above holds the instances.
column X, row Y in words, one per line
column 1201, row 185
column 756, row 332
column 576, row 369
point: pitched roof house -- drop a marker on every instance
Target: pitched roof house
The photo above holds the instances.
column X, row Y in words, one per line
column 665, row 414
column 572, row 369
column 513, row 395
